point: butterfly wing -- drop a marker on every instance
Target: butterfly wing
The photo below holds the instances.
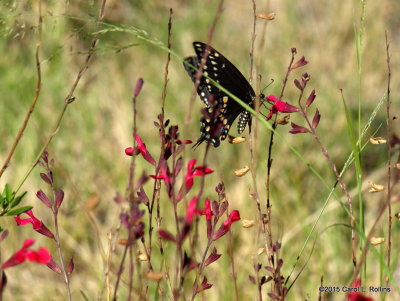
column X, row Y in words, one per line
column 221, row 70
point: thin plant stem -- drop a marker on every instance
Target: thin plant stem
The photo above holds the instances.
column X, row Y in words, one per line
column 333, row 166
column 253, row 39
column 232, row 260
column 119, row 274
column 357, row 151
column 261, row 43
column 203, row 259
column 129, row 192
column 268, row 246
column 58, row 243
column 389, row 154
column 131, row 272
column 254, row 163
column 269, row 167
column 359, row 50
column 157, row 182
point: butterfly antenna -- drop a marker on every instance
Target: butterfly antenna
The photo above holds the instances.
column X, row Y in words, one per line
column 271, row 82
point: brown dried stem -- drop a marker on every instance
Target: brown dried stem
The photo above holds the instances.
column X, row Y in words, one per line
column 157, row 182
column 253, row 39
column 269, row 164
column 35, row 97
column 254, row 163
column 268, row 245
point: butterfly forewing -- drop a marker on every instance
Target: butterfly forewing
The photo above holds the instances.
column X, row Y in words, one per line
column 202, row 88
column 222, row 71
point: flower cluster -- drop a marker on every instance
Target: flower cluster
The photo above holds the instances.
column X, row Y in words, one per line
column 42, row 255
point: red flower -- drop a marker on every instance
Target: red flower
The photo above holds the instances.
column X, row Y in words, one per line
column 142, row 149
column 356, row 296
column 189, row 175
column 207, row 211
column 279, row 106
column 192, row 171
column 191, row 210
column 37, row 224
column 41, row 256
column 164, row 173
column 201, row 171
column 233, row 217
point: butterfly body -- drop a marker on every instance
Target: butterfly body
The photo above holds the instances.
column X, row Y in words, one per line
column 221, row 110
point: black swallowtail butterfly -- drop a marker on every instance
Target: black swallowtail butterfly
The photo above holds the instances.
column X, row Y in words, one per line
column 221, row 109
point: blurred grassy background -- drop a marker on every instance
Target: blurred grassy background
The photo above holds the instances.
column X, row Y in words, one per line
column 89, row 146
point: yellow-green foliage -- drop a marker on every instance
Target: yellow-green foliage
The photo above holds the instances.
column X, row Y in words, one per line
column 89, row 147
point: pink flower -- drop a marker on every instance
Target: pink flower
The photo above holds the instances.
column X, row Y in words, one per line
column 41, row 256
column 279, row 106
column 37, row 224
column 142, row 149
column 233, row 217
